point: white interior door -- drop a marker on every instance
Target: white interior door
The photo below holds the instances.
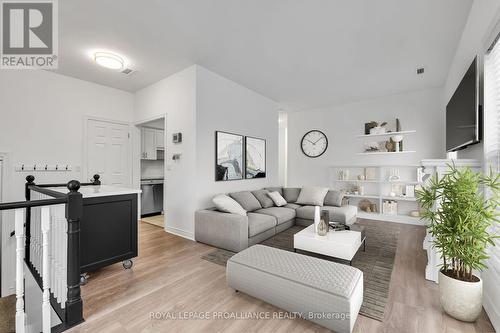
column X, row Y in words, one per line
column 108, row 152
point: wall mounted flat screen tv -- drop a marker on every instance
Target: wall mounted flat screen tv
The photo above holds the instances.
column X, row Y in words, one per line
column 463, row 114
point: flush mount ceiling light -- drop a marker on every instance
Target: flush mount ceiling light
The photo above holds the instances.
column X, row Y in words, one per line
column 109, row 60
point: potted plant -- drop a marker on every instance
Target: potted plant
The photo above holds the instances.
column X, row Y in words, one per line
column 459, row 218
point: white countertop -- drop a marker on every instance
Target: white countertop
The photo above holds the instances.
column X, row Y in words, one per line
column 90, row 191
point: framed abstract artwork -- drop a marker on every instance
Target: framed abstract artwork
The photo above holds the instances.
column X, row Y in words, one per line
column 255, row 158
column 229, row 156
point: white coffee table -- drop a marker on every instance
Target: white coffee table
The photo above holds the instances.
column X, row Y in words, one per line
column 338, row 244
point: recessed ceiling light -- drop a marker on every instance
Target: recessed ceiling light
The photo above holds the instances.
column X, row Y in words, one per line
column 109, row 60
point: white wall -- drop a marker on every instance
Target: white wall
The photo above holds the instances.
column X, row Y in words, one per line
column 482, row 18
column 198, row 102
column 223, row 105
column 420, row 111
column 176, row 97
column 42, row 120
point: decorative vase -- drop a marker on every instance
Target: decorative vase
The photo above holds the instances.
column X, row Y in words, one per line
column 461, row 299
column 397, row 139
column 322, row 228
column 316, row 217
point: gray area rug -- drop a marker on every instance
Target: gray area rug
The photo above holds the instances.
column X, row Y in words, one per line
column 376, row 262
column 8, row 314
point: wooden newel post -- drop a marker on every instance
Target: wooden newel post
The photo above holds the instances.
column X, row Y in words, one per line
column 30, row 181
column 74, row 212
column 96, row 180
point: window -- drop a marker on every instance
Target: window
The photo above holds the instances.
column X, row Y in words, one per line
column 491, row 276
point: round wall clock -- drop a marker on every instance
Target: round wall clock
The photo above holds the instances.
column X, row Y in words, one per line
column 314, row 143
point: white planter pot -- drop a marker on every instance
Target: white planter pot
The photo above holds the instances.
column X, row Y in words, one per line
column 460, row 299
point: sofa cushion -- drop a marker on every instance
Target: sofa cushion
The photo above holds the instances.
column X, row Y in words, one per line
column 292, row 206
column 334, row 198
column 276, row 197
column 342, row 214
column 226, row 204
column 281, row 214
column 258, row 223
column 263, row 197
column 275, row 189
column 312, row 196
column 247, row 200
column 291, row 194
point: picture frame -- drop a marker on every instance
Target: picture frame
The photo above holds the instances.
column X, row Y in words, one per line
column 229, row 156
column 255, row 158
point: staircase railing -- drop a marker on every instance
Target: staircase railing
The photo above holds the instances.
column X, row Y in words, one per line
column 47, row 231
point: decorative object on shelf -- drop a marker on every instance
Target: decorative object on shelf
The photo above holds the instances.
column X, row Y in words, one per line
column 392, row 194
column 361, row 190
column 379, row 129
column 369, row 126
column 323, row 225
column 414, row 213
column 461, row 233
column 316, row 217
column 394, row 175
column 397, row 189
column 229, row 163
column 410, row 191
column 390, row 207
column 372, row 146
column 365, row 205
column 361, row 177
column 397, row 139
column 344, row 174
column 399, row 129
column 255, row 158
column 390, row 145
column 314, row 143
column 370, row 173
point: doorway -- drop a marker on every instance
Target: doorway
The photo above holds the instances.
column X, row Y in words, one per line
column 152, row 166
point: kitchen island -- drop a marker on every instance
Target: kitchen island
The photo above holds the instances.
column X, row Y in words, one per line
column 108, row 229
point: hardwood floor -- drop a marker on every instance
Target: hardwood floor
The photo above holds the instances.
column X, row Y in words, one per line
column 169, row 277
column 158, row 220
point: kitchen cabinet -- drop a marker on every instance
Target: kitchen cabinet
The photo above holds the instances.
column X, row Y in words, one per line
column 160, row 139
column 148, row 143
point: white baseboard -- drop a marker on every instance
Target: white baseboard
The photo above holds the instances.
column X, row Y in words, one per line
column 493, row 312
column 179, row 232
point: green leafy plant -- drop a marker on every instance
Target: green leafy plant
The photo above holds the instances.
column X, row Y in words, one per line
column 460, row 216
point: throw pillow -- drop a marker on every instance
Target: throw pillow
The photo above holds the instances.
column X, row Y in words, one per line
column 291, row 194
column 247, row 200
column 277, row 198
column 275, row 189
column 334, row 198
column 312, row 196
column 228, row 205
column 262, row 196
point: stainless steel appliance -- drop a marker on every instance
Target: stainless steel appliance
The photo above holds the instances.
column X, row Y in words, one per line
column 152, row 196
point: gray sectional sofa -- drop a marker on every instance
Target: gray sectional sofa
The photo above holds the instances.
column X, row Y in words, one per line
column 235, row 232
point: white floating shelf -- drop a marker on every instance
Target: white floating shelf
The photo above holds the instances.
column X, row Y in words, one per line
column 387, row 152
column 357, row 181
column 386, row 134
column 388, row 197
column 374, row 196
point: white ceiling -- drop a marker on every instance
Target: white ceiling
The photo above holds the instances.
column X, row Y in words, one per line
column 302, row 54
